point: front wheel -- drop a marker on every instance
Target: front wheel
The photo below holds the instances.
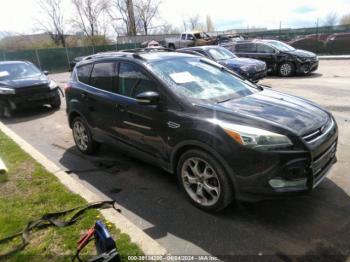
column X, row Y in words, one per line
column 204, row 180
column 286, row 69
column 82, row 136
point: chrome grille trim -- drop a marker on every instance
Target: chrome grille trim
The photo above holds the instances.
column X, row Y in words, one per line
column 319, row 133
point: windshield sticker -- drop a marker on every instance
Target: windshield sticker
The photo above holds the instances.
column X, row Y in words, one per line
column 182, row 78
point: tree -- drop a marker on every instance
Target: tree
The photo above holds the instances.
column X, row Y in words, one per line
column 345, row 20
column 331, row 19
column 210, row 25
column 194, row 22
column 54, row 22
column 88, row 13
column 147, row 11
column 122, row 15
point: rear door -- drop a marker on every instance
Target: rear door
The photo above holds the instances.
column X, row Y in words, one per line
column 104, row 99
column 245, row 50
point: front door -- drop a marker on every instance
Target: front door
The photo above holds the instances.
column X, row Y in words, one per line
column 267, row 54
column 141, row 124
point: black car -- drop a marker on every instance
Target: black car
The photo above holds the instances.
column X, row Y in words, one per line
column 73, row 62
column 251, row 69
column 280, row 58
column 23, row 85
column 223, row 137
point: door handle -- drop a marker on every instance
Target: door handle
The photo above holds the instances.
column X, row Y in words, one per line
column 120, row 108
column 84, row 96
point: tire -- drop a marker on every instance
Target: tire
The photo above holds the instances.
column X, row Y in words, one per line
column 286, row 69
column 213, row 188
column 82, row 136
column 171, row 46
column 56, row 104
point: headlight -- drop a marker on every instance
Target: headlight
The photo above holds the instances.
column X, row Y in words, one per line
column 255, row 137
column 7, row 91
column 52, row 85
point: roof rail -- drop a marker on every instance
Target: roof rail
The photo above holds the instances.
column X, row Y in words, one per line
column 147, row 50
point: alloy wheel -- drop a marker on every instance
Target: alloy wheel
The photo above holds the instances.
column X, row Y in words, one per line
column 286, row 69
column 200, row 181
column 80, row 135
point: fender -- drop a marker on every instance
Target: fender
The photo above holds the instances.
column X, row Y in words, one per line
column 76, row 107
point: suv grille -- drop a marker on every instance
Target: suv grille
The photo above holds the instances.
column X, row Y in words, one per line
column 32, row 90
column 316, row 134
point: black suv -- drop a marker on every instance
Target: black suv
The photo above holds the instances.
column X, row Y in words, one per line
column 23, row 85
column 224, row 137
column 280, row 58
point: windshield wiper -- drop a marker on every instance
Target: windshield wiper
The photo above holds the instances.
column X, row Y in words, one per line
column 225, row 100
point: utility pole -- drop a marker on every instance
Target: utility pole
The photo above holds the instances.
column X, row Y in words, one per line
column 317, row 27
column 279, row 34
column 131, row 16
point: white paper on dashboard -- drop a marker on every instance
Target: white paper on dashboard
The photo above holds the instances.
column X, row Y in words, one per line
column 182, row 78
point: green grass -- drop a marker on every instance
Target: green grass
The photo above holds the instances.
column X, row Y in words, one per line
column 26, row 193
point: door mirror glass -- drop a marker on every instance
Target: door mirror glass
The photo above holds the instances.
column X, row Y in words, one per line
column 148, row 98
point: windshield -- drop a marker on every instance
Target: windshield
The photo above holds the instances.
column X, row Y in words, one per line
column 18, row 71
column 200, row 78
column 221, row 53
column 281, row 46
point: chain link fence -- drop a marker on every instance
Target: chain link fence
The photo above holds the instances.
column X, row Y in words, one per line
column 58, row 59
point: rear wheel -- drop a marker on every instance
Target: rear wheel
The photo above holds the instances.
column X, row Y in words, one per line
column 171, row 46
column 204, row 181
column 82, row 136
column 286, row 69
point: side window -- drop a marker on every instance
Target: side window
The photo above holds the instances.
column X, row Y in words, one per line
column 246, row 48
column 190, row 37
column 183, row 37
column 83, row 73
column 261, row 48
column 132, row 81
column 103, row 76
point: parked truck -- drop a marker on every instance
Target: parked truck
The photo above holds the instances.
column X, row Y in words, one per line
column 188, row 39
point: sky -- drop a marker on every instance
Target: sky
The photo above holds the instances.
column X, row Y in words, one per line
column 20, row 16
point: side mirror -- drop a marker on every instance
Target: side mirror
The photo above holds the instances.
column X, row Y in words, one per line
column 148, row 98
column 46, row 72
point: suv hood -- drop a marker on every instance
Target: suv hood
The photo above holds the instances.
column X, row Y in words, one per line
column 297, row 114
column 301, row 53
column 25, row 82
column 238, row 62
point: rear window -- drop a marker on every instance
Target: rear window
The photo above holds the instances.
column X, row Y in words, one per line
column 103, row 76
column 83, row 73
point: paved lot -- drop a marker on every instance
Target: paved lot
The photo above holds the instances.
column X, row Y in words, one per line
column 317, row 223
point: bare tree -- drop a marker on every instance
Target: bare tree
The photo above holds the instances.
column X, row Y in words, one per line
column 54, row 22
column 147, row 11
column 210, row 24
column 345, row 20
column 122, row 16
column 88, row 13
column 194, row 22
column 184, row 24
column 331, row 19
